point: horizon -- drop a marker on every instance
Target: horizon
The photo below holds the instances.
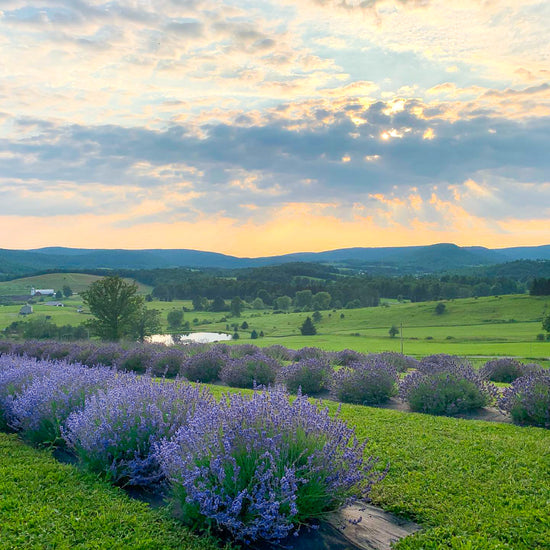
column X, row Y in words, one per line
column 259, row 129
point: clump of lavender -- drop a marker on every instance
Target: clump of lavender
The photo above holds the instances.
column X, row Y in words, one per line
column 278, row 352
column 249, row 371
column 138, row 359
column 402, row 363
column 167, row 362
column 104, row 354
column 527, row 400
column 346, row 357
column 115, row 432
column 41, row 407
column 506, row 369
column 368, row 383
column 258, row 467
column 204, row 367
column 446, row 385
column 242, row 350
column 311, row 375
column 310, row 353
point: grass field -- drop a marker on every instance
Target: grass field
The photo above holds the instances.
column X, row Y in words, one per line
column 489, row 326
column 470, row 484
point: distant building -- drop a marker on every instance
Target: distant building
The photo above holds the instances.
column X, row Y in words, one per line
column 56, row 304
column 26, row 310
column 42, row 292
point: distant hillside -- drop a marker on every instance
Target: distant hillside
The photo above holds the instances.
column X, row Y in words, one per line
column 395, row 260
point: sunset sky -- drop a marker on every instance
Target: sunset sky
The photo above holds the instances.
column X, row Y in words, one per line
column 260, row 127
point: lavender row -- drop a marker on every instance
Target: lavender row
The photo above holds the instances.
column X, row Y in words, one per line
column 255, row 467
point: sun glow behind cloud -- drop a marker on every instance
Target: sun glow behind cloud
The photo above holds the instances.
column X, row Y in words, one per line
column 309, row 125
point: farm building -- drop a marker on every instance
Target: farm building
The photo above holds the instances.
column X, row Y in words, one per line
column 56, row 304
column 26, row 310
column 42, row 292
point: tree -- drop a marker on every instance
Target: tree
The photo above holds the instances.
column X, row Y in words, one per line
column 244, row 325
column 237, row 306
column 440, row 308
column 308, row 328
column 254, row 335
column 302, row 299
column 67, row 291
column 546, row 324
column 258, row 303
column 58, row 295
column 394, row 331
column 283, row 303
column 115, row 304
column 218, row 304
column 145, row 323
column 317, row 316
column 175, row 318
column 321, row 300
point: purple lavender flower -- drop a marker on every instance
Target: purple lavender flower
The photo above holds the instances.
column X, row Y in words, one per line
column 346, row 357
column 527, row 400
column 40, row 408
column 205, row 366
column 311, row 375
column 397, row 360
column 249, row 371
column 116, row 430
column 446, row 385
column 368, row 383
column 257, row 467
column 507, row 369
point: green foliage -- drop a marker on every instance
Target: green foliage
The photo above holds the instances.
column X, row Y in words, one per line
column 440, row 308
column 283, row 303
column 253, row 335
column 175, row 318
column 393, row 332
column 145, row 323
column 546, row 323
column 237, row 305
column 317, row 316
column 67, row 291
column 321, row 300
column 308, row 328
column 115, row 305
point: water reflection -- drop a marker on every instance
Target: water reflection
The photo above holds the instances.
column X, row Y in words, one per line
column 192, row 337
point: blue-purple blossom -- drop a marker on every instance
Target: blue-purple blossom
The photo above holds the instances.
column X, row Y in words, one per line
column 527, row 400
column 259, row 466
column 311, row 375
column 507, row 369
column 369, row 382
column 446, row 385
column 204, row 367
column 42, row 405
column 116, row 430
column 249, row 371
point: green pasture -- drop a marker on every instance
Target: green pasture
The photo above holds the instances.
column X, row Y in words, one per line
column 77, row 281
column 470, row 484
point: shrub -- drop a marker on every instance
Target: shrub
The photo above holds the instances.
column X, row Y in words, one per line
column 40, row 409
column 367, row 383
column 527, row 400
column 310, row 353
column 204, row 367
column 506, row 369
column 137, row 359
column 278, row 352
column 115, row 432
column 311, row 375
column 445, row 385
column 402, row 363
column 244, row 349
column 258, row 467
column 346, row 357
column 250, row 370
column 167, row 362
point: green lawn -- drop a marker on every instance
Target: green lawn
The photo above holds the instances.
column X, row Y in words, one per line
column 46, row 504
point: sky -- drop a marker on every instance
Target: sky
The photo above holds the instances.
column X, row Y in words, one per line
column 262, row 127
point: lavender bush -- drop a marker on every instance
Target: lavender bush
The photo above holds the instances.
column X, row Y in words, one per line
column 41, row 407
column 346, row 357
column 258, row 467
column 368, row 383
column 242, row 350
column 278, row 352
column 310, row 353
column 311, row 375
column 402, row 363
column 446, row 385
column 527, row 400
column 116, row 430
column 204, row 367
column 506, row 369
column 249, row 371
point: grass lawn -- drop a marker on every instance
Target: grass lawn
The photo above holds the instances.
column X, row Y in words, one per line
column 46, row 504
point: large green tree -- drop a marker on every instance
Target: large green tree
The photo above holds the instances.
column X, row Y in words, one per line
column 115, row 305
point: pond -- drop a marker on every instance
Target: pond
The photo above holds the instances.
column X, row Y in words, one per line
column 189, row 338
